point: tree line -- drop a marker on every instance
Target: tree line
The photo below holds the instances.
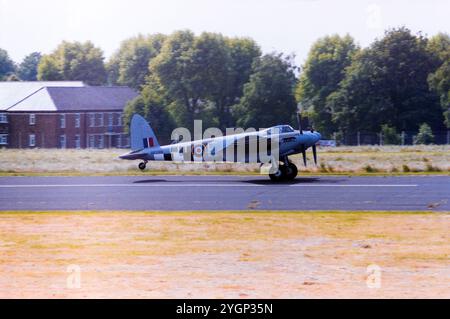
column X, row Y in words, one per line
column 398, row 83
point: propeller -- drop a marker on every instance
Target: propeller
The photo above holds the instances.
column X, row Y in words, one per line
column 299, row 121
column 314, row 153
column 303, row 150
column 299, row 117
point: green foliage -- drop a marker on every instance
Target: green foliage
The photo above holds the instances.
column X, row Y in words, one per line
column 397, row 83
column 439, row 81
column 387, row 84
column 390, row 135
column 425, row 135
column 28, row 68
column 203, row 76
column 268, row 96
column 7, row 66
column 151, row 104
column 323, row 71
column 74, row 61
column 48, row 69
column 173, row 68
column 243, row 52
column 130, row 64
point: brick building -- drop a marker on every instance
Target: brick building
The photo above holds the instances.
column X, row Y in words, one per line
column 62, row 115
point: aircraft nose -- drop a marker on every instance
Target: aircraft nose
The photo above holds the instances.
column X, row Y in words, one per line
column 318, row 136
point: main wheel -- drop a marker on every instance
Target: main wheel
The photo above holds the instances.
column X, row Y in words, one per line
column 142, row 166
column 291, row 172
column 279, row 175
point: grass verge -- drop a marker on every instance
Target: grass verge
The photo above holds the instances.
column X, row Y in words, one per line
column 363, row 160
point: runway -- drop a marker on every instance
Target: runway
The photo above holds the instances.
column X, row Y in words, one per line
column 224, row 193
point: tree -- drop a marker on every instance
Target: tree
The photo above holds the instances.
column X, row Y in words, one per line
column 387, row 84
column 242, row 53
column 439, row 81
column 425, row 135
column 203, row 76
column 174, row 70
column 321, row 74
column 269, row 95
column 390, row 135
column 74, row 61
column 7, row 66
column 48, row 69
column 28, row 68
column 152, row 105
column 210, row 66
column 130, row 64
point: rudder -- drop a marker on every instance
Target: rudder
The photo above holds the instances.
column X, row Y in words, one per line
column 141, row 133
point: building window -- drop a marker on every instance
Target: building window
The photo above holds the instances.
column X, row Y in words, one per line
column 32, row 119
column 110, row 119
column 91, row 141
column 62, row 141
column 119, row 119
column 3, row 118
column 77, row 119
column 91, row 119
column 31, row 140
column 100, row 119
column 101, row 142
column 62, row 120
column 77, row 141
column 3, row 139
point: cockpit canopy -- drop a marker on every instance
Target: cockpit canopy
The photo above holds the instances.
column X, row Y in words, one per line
column 280, row 129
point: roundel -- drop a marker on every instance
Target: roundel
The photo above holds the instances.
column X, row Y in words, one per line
column 197, row 150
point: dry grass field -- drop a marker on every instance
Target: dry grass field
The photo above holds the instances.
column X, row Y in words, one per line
column 224, row 255
column 339, row 160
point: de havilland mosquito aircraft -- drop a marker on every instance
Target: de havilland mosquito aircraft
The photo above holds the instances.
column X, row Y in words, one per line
column 271, row 146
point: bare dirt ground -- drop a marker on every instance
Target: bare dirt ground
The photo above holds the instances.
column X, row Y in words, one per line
column 350, row 159
column 224, row 255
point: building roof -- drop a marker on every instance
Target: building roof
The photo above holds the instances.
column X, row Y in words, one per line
column 13, row 92
column 88, row 98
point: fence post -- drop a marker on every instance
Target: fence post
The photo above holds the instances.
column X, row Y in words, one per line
column 403, row 138
column 334, row 138
column 358, row 136
column 448, row 136
column 381, row 138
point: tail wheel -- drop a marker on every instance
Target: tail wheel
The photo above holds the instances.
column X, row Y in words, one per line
column 142, row 166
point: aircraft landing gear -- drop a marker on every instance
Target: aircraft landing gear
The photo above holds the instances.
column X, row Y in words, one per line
column 291, row 172
column 278, row 176
column 142, row 165
column 287, row 171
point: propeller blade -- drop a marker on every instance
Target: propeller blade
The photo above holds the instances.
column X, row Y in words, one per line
column 304, row 154
column 299, row 122
column 314, row 153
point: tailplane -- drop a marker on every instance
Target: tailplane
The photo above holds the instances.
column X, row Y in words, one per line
column 142, row 135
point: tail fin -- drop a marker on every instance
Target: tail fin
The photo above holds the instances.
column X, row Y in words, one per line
column 142, row 135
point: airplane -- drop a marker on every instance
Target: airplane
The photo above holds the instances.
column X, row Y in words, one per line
column 287, row 141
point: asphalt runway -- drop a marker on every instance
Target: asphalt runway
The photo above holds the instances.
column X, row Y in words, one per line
column 224, row 193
